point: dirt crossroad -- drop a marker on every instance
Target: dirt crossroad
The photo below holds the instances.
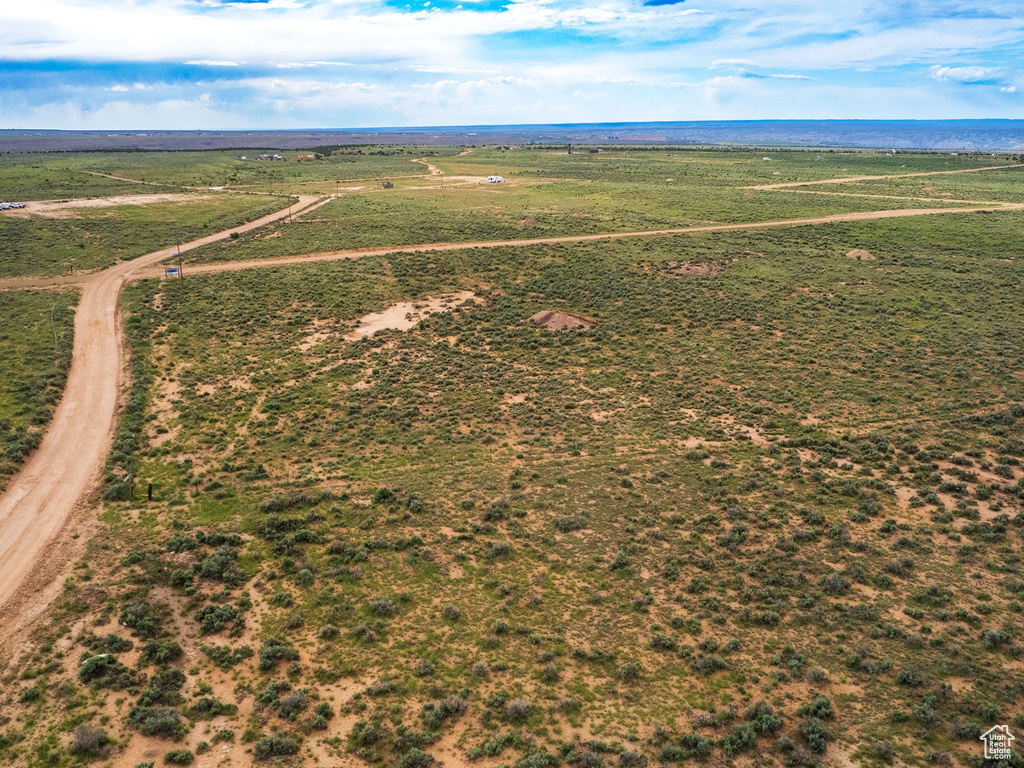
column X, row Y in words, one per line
column 234, row 266
column 65, row 469
column 61, row 473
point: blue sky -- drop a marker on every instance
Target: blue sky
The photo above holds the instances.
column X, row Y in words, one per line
column 186, row 64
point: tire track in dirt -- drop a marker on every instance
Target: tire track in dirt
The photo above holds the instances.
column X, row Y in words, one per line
column 434, row 170
column 785, row 184
column 59, row 478
column 133, row 181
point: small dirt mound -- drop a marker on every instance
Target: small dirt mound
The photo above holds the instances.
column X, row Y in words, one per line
column 860, row 253
column 694, row 268
column 562, row 321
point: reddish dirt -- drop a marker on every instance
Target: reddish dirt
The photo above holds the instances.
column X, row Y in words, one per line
column 562, row 321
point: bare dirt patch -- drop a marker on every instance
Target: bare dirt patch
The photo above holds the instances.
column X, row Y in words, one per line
column 562, row 321
column 321, row 332
column 406, row 314
column 65, row 209
column 860, row 253
column 693, row 268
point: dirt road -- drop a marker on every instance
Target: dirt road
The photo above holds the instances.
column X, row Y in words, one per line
column 234, row 266
column 133, row 181
column 65, row 469
column 785, row 184
column 434, row 170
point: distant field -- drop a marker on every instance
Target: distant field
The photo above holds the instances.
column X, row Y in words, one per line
column 31, row 177
column 550, row 194
column 96, row 237
column 36, row 335
column 715, row 166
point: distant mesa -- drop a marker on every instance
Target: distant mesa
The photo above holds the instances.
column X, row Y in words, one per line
column 562, row 321
column 860, row 253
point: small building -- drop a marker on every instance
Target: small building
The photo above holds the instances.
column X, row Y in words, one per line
column 243, row 157
column 495, row 179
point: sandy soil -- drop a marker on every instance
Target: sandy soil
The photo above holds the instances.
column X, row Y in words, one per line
column 63, row 209
column 60, row 476
column 406, row 314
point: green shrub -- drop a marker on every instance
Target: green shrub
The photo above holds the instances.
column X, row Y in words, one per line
column 277, row 745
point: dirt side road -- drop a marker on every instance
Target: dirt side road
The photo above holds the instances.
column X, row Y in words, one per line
column 785, row 184
column 59, row 477
column 233, row 266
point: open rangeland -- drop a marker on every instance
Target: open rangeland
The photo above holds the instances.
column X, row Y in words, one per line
column 761, row 502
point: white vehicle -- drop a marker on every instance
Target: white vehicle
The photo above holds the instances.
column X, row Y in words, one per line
column 495, row 179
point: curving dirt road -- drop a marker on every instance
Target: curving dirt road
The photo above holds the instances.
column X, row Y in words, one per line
column 434, row 170
column 59, row 476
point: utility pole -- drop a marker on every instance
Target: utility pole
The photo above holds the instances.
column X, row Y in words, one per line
column 53, row 326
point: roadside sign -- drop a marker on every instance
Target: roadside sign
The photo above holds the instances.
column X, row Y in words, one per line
column 171, row 271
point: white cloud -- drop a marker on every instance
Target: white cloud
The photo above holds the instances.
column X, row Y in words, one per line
column 962, row 74
column 581, row 59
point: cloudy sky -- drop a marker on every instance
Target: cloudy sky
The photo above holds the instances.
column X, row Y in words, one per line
column 182, row 64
